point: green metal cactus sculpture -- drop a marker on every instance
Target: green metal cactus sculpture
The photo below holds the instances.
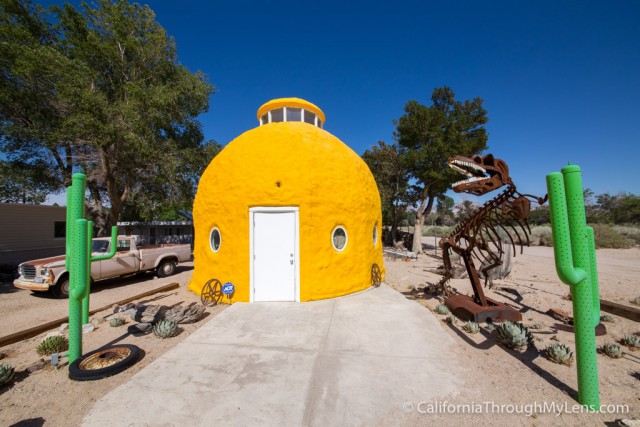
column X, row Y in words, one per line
column 78, row 262
column 575, row 259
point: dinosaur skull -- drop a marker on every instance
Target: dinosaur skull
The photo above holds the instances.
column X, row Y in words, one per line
column 484, row 174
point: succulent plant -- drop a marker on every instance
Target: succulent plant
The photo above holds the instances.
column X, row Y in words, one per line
column 471, row 327
column 442, row 309
column 53, row 344
column 635, row 301
column 165, row 328
column 513, row 335
column 117, row 321
column 6, row 373
column 559, row 353
column 612, row 350
column 632, row 341
column 607, row 318
column 451, row 319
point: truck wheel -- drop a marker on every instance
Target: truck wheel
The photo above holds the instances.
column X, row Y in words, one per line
column 61, row 289
column 166, row 268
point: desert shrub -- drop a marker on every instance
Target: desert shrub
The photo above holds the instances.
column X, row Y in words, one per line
column 437, row 230
column 629, row 231
column 607, row 237
column 541, row 235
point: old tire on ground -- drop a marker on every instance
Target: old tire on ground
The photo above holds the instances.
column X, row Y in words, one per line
column 103, row 363
column 166, row 268
column 61, row 289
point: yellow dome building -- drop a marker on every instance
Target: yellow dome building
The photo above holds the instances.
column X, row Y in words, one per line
column 287, row 212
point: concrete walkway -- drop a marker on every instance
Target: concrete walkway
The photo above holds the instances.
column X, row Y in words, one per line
column 352, row 360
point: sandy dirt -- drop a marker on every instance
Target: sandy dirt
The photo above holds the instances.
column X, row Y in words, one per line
column 527, row 381
column 494, row 375
column 47, row 396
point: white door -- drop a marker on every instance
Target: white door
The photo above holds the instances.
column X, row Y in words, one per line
column 274, row 256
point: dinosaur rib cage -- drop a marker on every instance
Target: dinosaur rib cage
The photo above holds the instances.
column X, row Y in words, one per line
column 482, row 234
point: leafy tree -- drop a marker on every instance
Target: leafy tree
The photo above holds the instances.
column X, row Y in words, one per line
column 433, row 134
column 540, row 215
column 25, row 183
column 386, row 164
column 100, row 90
column 444, row 209
column 465, row 210
column 626, row 209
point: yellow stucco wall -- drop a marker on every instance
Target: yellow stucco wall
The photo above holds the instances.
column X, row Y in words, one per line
column 324, row 178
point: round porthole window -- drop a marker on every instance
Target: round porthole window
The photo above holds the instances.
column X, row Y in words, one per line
column 339, row 238
column 215, row 239
column 375, row 234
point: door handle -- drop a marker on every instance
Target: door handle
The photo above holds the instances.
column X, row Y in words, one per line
column 291, row 262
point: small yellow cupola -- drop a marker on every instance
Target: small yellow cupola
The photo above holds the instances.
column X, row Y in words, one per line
column 287, row 212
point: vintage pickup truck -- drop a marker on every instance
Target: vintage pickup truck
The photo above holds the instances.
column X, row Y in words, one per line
column 50, row 274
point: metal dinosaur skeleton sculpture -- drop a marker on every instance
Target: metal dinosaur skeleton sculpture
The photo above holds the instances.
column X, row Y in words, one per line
column 479, row 236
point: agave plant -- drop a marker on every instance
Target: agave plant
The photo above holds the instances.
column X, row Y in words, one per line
column 53, row 344
column 631, row 341
column 559, row 353
column 117, row 321
column 471, row 327
column 612, row 350
column 513, row 335
column 6, row 373
column 442, row 309
column 451, row 319
column 165, row 328
column 607, row 318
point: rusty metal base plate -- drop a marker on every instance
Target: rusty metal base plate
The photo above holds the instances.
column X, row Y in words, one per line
column 465, row 308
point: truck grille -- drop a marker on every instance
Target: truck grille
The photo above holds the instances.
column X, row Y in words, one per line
column 28, row 271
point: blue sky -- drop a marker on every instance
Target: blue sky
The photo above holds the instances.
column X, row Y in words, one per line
column 560, row 79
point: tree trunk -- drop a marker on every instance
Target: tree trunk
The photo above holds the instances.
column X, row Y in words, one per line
column 394, row 225
column 423, row 212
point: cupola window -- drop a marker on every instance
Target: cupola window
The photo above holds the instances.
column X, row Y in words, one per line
column 291, row 114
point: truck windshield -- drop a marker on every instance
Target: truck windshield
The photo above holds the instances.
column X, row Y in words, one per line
column 100, row 246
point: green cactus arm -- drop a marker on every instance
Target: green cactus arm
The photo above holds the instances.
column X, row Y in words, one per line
column 560, row 232
column 112, row 249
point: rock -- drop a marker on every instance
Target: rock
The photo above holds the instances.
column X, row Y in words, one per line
column 2, row 355
column 63, row 327
column 148, row 314
column 131, row 313
column 128, row 307
column 116, row 308
column 88, row 328
column 189, row 314
column 36, row 366
column 98, row 320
